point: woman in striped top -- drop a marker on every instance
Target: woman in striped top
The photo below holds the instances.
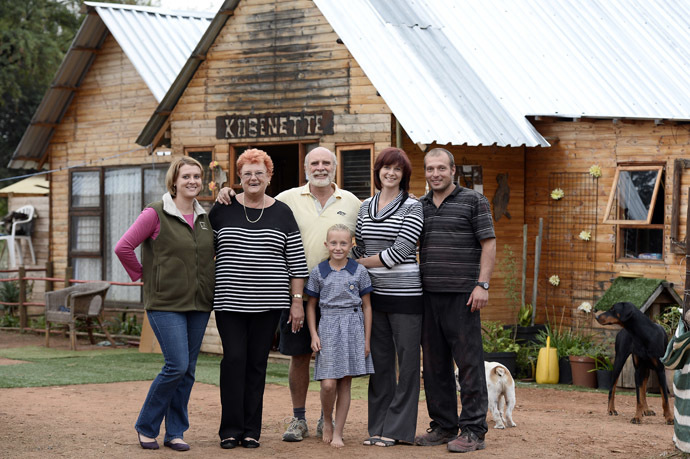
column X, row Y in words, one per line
column 260, row 270
column 388, row 227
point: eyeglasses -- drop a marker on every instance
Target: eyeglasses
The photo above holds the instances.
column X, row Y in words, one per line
column 248, row 175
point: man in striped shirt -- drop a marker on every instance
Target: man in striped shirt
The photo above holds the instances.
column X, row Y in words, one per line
column 457, row 254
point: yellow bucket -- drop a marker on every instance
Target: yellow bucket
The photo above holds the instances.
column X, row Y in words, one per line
column 547, row 364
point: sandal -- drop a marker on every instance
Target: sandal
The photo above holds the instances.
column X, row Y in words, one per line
column 229, row 443
column 384, row 442
column 370, row 441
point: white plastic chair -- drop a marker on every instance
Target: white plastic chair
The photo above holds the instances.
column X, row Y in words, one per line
column 14, row 240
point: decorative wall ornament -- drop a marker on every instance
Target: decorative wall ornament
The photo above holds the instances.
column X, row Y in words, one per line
column 585, row 235
column 554, row 280
column 557, row 194
column 595, row 171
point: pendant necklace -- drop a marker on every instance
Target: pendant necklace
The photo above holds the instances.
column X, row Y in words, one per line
column 260, row 215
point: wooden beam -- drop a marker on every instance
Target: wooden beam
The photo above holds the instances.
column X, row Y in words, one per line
column 677, row 246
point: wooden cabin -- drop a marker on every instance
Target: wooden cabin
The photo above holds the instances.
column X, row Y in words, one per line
column 120, row 65
column 285, row 76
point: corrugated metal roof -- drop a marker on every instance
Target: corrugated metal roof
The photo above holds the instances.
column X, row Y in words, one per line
column 470, row 71
column 160, row 116
column 157, row 42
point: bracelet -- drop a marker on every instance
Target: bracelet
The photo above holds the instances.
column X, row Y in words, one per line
column 297, row 295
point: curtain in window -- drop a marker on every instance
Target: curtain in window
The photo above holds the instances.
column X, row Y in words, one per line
column 123, row 204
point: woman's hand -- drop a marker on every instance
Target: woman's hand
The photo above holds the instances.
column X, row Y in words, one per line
column 225, row 195
column 296, row 315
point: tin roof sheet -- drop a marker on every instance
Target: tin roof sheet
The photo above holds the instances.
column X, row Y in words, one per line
column 470, row 71
column 157, row 42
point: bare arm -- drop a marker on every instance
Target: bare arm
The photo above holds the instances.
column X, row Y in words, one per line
column 311, row 322
column 366, row 310
column 297, row 307
column 480, row 297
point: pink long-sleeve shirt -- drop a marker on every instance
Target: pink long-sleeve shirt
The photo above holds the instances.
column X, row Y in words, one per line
column 146, row 226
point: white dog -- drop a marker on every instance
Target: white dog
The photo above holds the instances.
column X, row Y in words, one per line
column 501, row 391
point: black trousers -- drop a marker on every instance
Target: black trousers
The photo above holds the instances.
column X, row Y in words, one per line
column 450, row 331
column 247, row 339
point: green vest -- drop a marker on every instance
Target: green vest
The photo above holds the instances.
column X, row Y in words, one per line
column 179, row 265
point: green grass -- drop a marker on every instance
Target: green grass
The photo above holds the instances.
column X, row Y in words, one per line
column 52, row 367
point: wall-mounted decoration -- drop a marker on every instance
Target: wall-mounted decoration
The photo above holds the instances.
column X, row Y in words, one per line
column 502, row 197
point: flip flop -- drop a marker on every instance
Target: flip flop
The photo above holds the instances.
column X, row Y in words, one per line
column 370, row 441
column 385, row 443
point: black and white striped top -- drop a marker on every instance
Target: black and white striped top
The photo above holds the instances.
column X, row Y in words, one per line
column 392, row 233
column 255, row 261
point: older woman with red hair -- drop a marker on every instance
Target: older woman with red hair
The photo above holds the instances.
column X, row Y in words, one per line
column 260, row 270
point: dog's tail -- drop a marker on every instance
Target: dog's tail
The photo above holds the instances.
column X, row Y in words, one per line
column 500, row 371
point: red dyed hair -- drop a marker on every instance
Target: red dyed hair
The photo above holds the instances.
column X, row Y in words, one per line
column 255, row 156
column 392, row 156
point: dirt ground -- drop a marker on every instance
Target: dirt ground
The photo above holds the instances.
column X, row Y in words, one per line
column 96, row 420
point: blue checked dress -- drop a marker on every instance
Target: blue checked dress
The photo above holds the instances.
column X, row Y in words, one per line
column 341, row 328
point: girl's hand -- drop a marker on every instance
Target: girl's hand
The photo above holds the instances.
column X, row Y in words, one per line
column 316, row 344
column 296, row 315
column 367, row 350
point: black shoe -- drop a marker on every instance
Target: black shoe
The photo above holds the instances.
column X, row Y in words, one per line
column 229, row 443
column 147, row 444
column 250, row 443
column 176, row 446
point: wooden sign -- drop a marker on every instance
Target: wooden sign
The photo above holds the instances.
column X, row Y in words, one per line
column 300, row 124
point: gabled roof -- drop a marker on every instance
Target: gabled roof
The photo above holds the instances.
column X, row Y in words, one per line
column 157, row 42
column 472, row 71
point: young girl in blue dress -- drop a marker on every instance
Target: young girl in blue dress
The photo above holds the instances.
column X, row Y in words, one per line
column 341, row 287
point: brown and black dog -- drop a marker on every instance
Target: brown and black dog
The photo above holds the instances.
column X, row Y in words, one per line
column 647, row 342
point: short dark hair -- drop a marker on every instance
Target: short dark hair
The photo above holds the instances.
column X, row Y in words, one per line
column 439, row 152
column 393, row 156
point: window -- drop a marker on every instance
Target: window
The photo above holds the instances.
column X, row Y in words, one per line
column 103, row 205
column 636, row 206
column 355, row 170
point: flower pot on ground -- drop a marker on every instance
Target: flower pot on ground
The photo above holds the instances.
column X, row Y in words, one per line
column 604, row 379
column 583, row 370
column 565, row 376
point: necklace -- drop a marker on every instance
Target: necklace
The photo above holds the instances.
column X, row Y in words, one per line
column 260, row 215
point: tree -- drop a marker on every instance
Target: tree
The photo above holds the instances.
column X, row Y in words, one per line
column 34, row 36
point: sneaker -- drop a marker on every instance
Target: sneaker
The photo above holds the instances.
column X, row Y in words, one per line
column 296, row 431
column 466, row 442
column 434, row 436
column 319, row 427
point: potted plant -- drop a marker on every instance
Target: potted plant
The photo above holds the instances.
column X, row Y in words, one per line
column 499, row 345
column 669, row 319
column 603, row 366
column 524, row 330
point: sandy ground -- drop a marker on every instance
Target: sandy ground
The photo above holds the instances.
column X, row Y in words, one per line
column 90, row 421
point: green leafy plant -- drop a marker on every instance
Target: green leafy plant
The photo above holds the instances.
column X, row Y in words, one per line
column 497, row 339
column 9, row 320
column 125, row 325
column 669, row 319
column 603, row 362
column 524, row 318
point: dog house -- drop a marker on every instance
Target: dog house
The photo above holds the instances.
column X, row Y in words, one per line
column 652, row 297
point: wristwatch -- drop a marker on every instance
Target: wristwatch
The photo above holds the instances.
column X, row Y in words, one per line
column 299, row 295
column 484, row 285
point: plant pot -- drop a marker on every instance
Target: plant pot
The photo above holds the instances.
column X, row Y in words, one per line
column 507, row 359
column 580, row 366
column 525, row 334
column 565, row 376
column 604, row 379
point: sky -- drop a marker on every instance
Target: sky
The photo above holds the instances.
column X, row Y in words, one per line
column 189, row 5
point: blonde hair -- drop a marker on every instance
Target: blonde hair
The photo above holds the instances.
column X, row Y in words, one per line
column 339, row 227
column 174, row 172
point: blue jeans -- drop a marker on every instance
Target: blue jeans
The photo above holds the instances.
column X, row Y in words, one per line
column 179, row 335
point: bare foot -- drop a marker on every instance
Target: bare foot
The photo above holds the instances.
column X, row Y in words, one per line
column 337, row 441
column 327, row 436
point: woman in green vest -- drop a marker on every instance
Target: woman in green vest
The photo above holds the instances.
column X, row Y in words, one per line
column 178, row 272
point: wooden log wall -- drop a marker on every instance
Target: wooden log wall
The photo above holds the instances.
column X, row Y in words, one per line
column 105, row 117
column 273, row 57
column 578, row 145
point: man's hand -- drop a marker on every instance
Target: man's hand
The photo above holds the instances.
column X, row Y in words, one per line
column 478, row 299
column 225, row 195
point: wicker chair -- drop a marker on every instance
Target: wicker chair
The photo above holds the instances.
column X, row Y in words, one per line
column 81, row 301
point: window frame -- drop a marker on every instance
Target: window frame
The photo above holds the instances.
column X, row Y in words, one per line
column 614, row 189
column 212, row 150
column 97, row 211
column 343, row 148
